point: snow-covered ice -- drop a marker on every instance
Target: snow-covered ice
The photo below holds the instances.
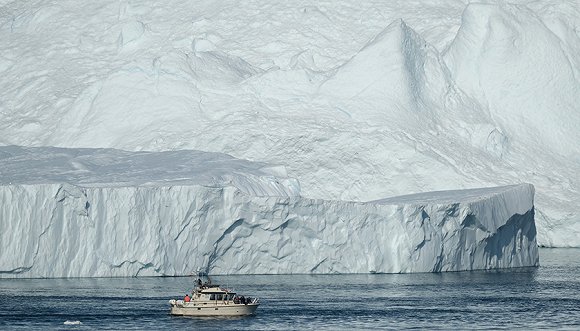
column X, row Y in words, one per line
column 359, row 100
column 104, row 212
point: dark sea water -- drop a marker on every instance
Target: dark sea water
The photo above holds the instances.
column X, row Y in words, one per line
column 547, row 297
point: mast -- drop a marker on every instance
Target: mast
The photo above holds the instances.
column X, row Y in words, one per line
column 201, row 276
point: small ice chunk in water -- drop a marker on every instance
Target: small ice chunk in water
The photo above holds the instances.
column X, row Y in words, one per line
column 67, row 322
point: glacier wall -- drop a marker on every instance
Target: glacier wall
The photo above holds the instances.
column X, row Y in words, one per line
column 64, row 230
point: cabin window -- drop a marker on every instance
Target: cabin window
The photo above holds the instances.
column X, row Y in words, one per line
column 212, row 297
column 219, row 297
column 230, row 297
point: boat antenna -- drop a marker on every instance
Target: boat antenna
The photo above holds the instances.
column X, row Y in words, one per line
column 203, row 274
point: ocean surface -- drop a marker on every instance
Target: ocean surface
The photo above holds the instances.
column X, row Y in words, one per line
column 547, row 297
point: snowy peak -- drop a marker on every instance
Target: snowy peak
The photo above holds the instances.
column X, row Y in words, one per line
column 391, row 71
column 504, row 55
column 162, row 95
column 137, row 100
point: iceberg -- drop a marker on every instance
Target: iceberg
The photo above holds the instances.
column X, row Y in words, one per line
column 106, row 212
column 359, row 101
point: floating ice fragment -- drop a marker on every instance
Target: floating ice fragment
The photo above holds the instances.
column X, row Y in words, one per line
column 67, row 322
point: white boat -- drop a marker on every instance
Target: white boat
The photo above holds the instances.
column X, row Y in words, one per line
column 212, row 300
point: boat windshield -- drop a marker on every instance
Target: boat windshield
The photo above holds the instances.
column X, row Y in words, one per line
column 222, row 296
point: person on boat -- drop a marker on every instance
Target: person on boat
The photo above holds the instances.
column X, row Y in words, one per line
column 187, row 298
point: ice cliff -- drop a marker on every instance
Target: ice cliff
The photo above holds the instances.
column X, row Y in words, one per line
column 103, row 212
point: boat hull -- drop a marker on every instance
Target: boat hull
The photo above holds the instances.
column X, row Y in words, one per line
column 213, row 310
